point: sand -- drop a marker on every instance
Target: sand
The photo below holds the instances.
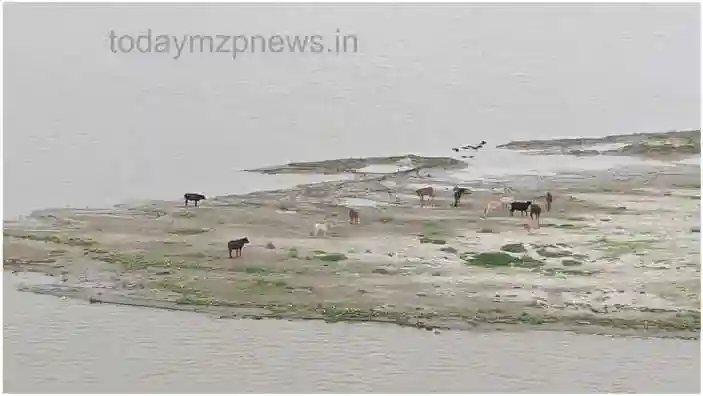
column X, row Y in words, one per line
column 619, row 253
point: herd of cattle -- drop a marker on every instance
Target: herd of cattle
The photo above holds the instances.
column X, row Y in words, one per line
column 524, row 207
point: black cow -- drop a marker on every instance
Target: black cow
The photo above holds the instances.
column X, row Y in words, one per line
column 195, row 197
column 458, row 192
column 237, row 246
column 520, row 206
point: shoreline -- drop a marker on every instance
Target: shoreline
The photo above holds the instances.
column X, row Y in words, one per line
column 506, row 324
column 600, row 263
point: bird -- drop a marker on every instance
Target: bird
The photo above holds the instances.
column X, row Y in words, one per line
column 480, row 145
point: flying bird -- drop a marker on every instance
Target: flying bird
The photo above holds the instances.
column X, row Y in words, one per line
column 480, row 145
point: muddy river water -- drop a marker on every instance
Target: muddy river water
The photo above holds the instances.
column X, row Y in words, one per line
column 56, row 345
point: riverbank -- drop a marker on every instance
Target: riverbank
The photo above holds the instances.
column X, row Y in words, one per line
column 618, row 254
column 143, row 350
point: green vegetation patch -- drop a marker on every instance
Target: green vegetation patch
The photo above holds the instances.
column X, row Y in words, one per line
column 501, row 259
column 250, row 269
column 614, row 248
column 570, row 263
column 514, row 248
column 54, row 239
column 270, row 283
column 189, row 231
column 189, row 295
column 436, row 241
column 432, row 234
column 331, row 257
column 448, row 249
column 133, row 261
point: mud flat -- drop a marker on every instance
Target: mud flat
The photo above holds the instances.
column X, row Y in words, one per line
column 353, row 165
column 618, row 254
column 669, row 145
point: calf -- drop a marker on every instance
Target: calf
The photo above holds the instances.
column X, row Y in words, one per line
column 458, row 192
column 237, row 246
column 421, row 192
column 549, row 200
column 491, row 206
column 353, row 216
column 193, row 197
column 536, row 211
column 320, row 229
column 520, row 206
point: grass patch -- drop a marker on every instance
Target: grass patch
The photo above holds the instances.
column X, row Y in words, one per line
column 514, row 248
column 54, row 239
column 293, row 253
column 431, row 227
column 189, row 231
column 567, row 225
column 270, row 283
column 432, row 234
column 485, row 231
column 189, row 295
column 570, row 263
column 448, row 249
column 133, row 262
column 331, row 257
column 95, row 251
column 335, row 314
column 524, row 317
column 578, row 272
column 194, row 299
column 615, row 249
column 501, row 259
column 436, row 241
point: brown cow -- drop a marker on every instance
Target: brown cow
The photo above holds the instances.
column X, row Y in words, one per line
column 421, row 192
column 353, row 216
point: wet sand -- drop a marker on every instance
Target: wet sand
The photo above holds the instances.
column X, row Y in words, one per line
column 619, row 253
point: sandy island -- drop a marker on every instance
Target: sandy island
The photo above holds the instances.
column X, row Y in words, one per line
column 618, row 254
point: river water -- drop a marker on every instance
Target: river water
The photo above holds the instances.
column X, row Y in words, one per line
column 54, row 345
column 87, row 127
